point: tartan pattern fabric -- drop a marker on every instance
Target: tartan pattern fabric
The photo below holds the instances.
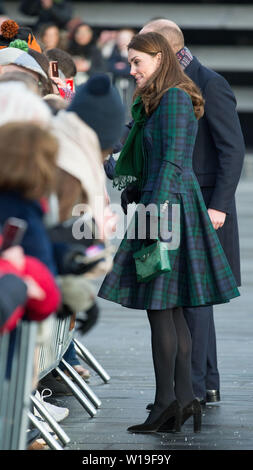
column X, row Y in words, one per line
column 200, row 272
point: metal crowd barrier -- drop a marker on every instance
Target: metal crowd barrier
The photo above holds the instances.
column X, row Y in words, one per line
column 27, row 354
column 16, row 378
column 58, row 341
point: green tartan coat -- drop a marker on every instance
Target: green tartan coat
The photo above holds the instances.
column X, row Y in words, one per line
column 200, row 272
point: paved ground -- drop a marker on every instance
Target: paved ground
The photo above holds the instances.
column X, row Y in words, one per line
column 121, row 342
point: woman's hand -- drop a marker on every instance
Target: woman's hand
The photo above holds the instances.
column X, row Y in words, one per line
column 34, row 291
column 15, row 255
column 217, row 218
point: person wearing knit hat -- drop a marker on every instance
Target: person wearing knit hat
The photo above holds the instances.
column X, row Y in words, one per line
column 13, row 57
column 98, row 104
column 10, row 30
column 9, row 54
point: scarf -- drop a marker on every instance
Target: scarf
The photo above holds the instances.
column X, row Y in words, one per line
column 129, row 165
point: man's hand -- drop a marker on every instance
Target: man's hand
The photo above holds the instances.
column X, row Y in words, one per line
column 217, row 218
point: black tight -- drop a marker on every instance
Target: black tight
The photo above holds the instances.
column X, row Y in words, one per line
column 171, row 349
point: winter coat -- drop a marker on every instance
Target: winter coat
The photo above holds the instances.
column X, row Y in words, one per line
column 200, row 273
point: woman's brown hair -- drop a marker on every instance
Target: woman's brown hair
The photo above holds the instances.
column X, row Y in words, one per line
column 28, row 157
column 168, row 74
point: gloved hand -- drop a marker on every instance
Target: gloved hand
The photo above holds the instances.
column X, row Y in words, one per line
column 86, row 320
column 130, row 194
column 72, row 263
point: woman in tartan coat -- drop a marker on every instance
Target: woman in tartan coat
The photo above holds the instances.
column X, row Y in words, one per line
column 158, row 157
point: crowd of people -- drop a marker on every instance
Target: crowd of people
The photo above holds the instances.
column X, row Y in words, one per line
column 57, row 129
column 92, row 50
column 54, row 141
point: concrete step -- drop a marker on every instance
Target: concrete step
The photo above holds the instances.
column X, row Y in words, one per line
column 136, row 14
column 244, row 96
column 225, row 58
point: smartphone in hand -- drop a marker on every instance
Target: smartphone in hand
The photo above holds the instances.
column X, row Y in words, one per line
column 54, row 72
column 13, row 232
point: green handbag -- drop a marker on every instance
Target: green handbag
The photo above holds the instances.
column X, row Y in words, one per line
column 152, row 260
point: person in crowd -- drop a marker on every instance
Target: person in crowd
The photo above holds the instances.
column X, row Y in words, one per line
column 22, row 77
column 67, row 72
column 99, row 105
column 158, row 157
column 13, row 59
column 27, row 287
column 48, row 11
column 106, row 42
column 118, row 60
column 13, row 292
column 34, row 160
column 83, row 172
column 217, row 162
column 82, row 46
column 18, row 38
column 27, row 175
column 11, row 31
column 23, row 105
column 50, row 36
column 66, row 64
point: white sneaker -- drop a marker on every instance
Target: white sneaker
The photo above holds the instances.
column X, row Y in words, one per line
column 57, row 412
column 47, row 428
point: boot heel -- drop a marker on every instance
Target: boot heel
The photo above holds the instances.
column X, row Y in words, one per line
column 178, row 421
column 197, row 417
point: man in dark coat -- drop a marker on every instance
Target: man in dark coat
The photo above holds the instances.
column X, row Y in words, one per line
column 217, row 162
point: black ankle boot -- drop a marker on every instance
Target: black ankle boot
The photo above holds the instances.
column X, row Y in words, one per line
column 173, row 411
column 192, row 409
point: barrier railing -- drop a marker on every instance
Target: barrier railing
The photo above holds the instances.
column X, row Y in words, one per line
column 27, row 354
column 16, row 381
column 51, row 351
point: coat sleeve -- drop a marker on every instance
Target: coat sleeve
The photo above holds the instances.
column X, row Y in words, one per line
column 223, row 121
column 175, row 112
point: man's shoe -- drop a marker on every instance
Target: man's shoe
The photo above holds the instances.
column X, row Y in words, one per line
column 212, row 396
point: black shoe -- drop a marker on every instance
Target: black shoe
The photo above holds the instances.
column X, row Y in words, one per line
column 192, row 409
column 212, row 396
column 201, row 400
column 173, row 411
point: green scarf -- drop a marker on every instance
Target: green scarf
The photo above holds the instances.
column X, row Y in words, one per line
column 129, row 165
